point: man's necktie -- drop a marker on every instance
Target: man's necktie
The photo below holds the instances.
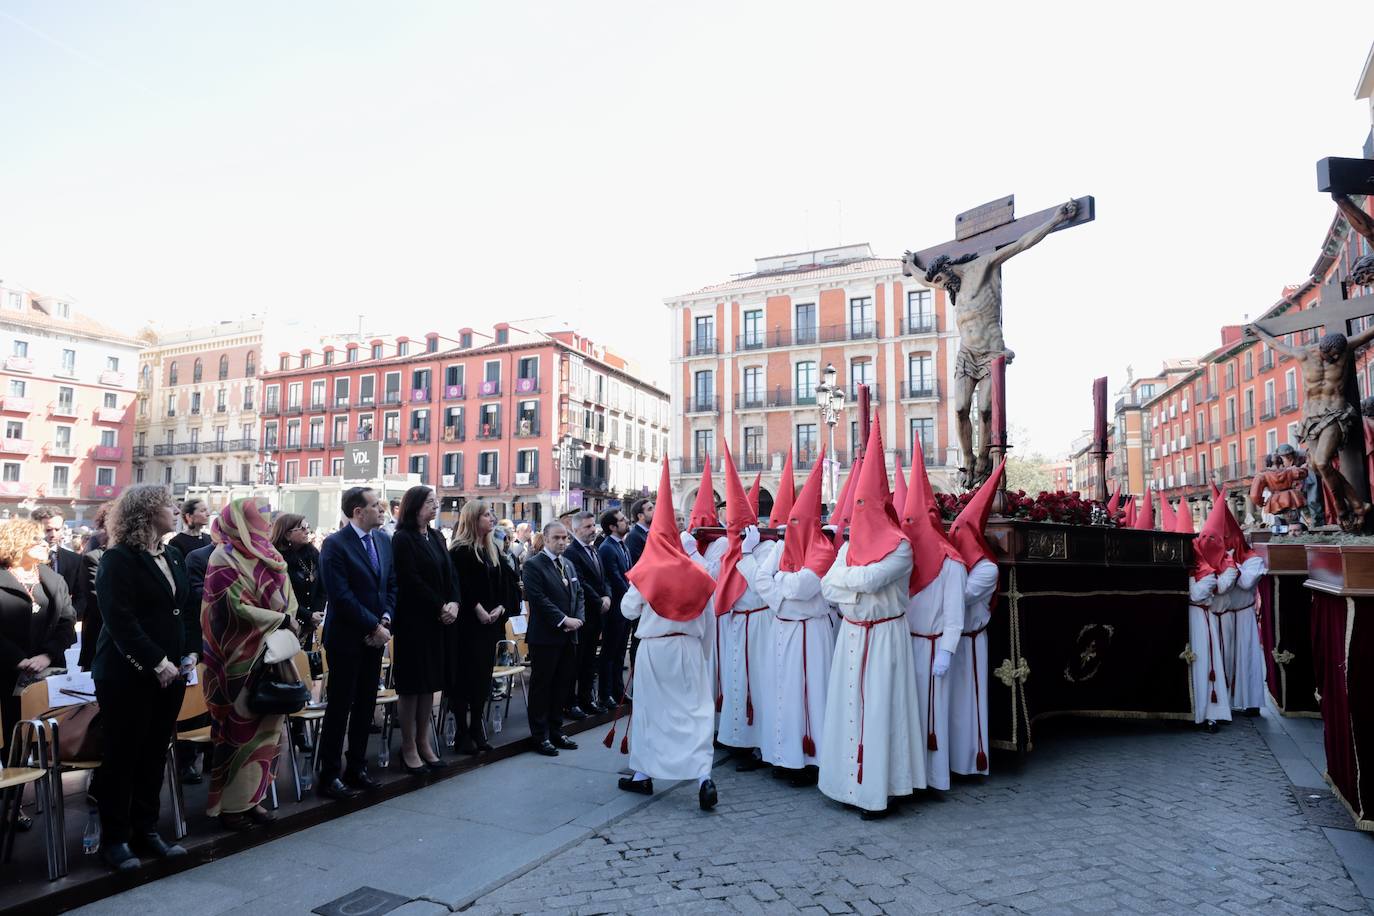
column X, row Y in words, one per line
column 372, row 553
column 596, row 560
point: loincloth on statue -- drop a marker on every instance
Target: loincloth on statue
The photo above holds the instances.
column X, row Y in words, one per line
column 1343, row 418
column 974, row 364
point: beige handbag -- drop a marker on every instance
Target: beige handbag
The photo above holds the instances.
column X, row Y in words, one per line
column 281, row 645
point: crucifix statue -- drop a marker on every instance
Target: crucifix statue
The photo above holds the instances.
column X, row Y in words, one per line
column 970, row 270
column 1330, row 423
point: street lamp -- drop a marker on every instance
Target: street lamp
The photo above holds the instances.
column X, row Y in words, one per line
column 830, row 402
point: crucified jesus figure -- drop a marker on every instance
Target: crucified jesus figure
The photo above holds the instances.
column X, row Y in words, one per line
column 1328, row 418
column 974, row 284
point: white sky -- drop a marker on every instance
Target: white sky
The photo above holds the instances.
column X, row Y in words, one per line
column 439, row 164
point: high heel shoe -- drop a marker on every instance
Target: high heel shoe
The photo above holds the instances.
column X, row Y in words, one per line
column 420, row 770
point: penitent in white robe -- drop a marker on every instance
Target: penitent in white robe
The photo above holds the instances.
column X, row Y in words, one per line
column 745, row 644
column 967, row 681
column 935, row 617
column 803, row 644
column 1244, row 655
column 710, row 561
column 1204, row 638
column 887, row 720
column 674, row 713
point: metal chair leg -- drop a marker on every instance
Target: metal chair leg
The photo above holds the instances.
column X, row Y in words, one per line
column 179, row 826
column 295, row 771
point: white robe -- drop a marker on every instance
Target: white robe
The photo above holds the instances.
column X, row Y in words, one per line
column 673, row 714
column 1245, row 670
column 935, row 618
column 745, row 644
column 889, row 718
column 710, row 561
column 803, row 643
column 967, row 681
column 1202, row 634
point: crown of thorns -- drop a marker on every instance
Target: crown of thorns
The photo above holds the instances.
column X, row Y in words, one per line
column 943, row 261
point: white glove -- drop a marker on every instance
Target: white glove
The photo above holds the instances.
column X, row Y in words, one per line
column 689, row 544
column 751, row 539
column 942, row 660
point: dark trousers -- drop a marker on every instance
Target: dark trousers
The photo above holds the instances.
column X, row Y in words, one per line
column 551, row 672
column 584, row 687
column 615, row 636
column 353, row 681
column 470, row 683
column 138, row 720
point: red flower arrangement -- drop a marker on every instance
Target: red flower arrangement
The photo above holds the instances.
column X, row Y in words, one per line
column 1059, row 506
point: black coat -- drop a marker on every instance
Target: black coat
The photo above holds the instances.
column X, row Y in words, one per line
column 88, row 604
column 303, row 569
column 424, row 584
column 551, row 599
column 359, row 597
column 69, row 568
column 144, row 621
column 50, row 631
column 635, row 541
column 590, row 574
column 490, row 586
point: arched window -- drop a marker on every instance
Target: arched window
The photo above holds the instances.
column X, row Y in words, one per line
column 172, row 373
column 224, row 367
column 147, row 375
column 250, row 365
column 196, row 370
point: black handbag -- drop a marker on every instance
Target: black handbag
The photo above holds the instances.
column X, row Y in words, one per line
column 274, row 687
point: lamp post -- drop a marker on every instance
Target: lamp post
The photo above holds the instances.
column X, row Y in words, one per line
column 830, row 402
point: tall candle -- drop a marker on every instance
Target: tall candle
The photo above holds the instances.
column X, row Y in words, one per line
column 999, row 402
column 1100, row 414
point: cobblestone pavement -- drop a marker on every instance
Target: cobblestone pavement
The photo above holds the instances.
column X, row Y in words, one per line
column 1103, row 817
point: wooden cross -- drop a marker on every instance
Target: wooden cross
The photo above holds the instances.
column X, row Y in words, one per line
column 994, row 224
column 1333, row 312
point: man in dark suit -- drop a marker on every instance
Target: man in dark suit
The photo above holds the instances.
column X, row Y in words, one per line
column 642, row 511
column 615, row 635
column 555, row 599
column 66, row 563
column 358, row 576
column 596, row 597
column 188, row 752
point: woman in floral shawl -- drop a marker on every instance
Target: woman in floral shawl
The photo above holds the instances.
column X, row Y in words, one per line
column 247, row 596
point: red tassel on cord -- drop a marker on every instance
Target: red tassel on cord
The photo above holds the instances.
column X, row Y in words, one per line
column 861, row 764
column 808, row 746
column 931, row 743
column 625, row 744
column 981, row 761
column 1214, row 696
column 1212, row 676
column 749, row 711
column 609, row 740
column 719, row 698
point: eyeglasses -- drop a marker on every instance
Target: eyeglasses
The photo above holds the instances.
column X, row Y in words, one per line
column 301, row 527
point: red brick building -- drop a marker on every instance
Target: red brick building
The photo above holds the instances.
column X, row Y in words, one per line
column 531, row 421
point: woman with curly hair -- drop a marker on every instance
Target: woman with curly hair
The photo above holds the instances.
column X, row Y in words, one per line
column 247, row 596
column 145, row 650
column 37, row 622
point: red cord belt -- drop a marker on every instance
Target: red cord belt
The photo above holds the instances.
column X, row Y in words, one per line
column 867, row 626
column 1211, row 664
column 980, row 762
column 808, row 743
column 748, row 691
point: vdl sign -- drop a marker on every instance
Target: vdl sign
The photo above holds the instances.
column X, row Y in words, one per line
column 363, row 461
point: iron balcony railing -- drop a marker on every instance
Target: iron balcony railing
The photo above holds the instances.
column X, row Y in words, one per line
column 919, row 389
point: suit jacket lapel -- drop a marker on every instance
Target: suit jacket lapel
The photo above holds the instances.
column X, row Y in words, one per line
column 362, row 553
column 156, row 572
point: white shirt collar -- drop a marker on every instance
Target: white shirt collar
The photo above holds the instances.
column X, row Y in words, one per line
column 362, row 535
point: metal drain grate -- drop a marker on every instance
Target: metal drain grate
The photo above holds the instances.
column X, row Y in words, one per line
column 1322, row 809
column 365, row 901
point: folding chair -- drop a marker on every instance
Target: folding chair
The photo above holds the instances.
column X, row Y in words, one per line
column 514, row 646
column 192, row 706
column 387, row 698
column 29, row 744
column 33, row 704
column 312, row 716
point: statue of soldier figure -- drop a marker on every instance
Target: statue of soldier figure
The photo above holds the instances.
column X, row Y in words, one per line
column 974, row 284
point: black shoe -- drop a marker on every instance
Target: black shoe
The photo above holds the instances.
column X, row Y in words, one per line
column 119, row 857
column 807, row 776
column 151, row 842
column 190, row 777
column 749, row 764
column 436, row 766
column 706, row 795
column 421, row 770
column 546, row 748
column 362, row 781
column 337, row 790
column 483, row 747
column 1211, row 726
column 575, row 713
column 564, row 742
column 874, row 815
column 592, row 708
column 642, row 786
